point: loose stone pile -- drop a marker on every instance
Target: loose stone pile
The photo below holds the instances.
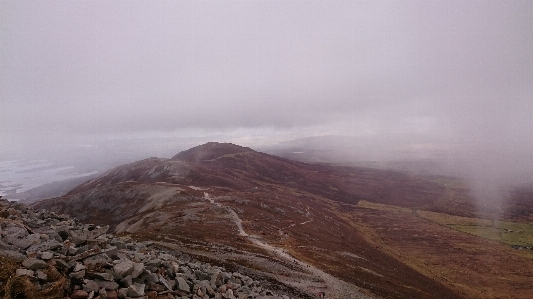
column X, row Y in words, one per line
column 100, row 265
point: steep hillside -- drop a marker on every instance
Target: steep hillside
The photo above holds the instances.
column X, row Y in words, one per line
column 312, row 227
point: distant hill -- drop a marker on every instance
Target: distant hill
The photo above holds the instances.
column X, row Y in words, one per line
column 310, row 226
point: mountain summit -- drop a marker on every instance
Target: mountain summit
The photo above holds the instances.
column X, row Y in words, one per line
column 211, row 150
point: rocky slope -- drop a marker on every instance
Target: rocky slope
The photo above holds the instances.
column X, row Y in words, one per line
column 61, row 256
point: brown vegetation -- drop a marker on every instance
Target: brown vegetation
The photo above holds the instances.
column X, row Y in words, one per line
column 372, row 228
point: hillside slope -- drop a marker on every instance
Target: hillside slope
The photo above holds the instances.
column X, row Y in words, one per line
column 309, row 226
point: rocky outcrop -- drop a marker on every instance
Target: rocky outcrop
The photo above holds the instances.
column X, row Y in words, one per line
column 95, row 264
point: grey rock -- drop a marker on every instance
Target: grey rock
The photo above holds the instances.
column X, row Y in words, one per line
column 90, row 286
column 122, row 292
column 60, row 264
column 126, row 281
column 171, row 284
column 5, row 246
column 119, row 244
column 12, row 254
column 124, row 268
column 33, row 239
column 13, row 233
column 47, row 255
column 102, row 293
column 248, row 282
column 217, row 278
column 138, row 268
column 62, row 231
column 98, row 259
column 34, row 264
column 182, row 285
column 206, row 287
column 164, row 282
column 45, row 246
column 82, row 249
column 151, row 278
column 111, row 252
column 47, row 233
column 155, row 287
column 26, row 272
column 222, row 289
column 167, row 257
column 200, row 275
column 229, row 294
column 77, row 275
column 108, row 285
column 153, row 263
column 81, row 236
column 78, row 267
column 136, row 290
column 104, row 276
column 72, row 251
column 40, row 275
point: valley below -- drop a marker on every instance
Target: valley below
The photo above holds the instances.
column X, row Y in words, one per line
column 350, row 232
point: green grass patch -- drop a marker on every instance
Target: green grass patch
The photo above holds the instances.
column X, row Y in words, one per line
column 485, row 232
column 509, row 233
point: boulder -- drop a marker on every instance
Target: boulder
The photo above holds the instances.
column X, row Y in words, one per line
column 90, row 286
column 123, row 269
column 104, row 276
column 77, row 275
column 138, row 268
column 50, row 245
column 33, row 239
column 153, row 263
column 217, row 278
column 164, row 282
column 126, row 281
column 122, row 292
column 14, row 234
column 102, row 293
column 155, row 287
column 34, row 264
column 78, row 267
column 136, row 290
column 24, row 272
column 40, row 275
column 12, row 254
column 108, row 285
column 47, row 255
column 59, row 264
column 182, row 285
column 98, row 259
column 152, row 277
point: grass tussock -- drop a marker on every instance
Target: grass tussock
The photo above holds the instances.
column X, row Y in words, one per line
column 22, row 287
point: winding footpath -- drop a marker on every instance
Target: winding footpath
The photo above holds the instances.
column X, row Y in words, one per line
column 332, row 286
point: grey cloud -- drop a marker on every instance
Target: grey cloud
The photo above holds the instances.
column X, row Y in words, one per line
column 459, row 68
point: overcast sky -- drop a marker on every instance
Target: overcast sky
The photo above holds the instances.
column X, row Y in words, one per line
column 459, row 69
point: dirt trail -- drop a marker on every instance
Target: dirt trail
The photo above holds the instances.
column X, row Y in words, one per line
column 333, row 287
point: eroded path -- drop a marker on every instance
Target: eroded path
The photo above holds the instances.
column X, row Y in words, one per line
column 332, row 286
